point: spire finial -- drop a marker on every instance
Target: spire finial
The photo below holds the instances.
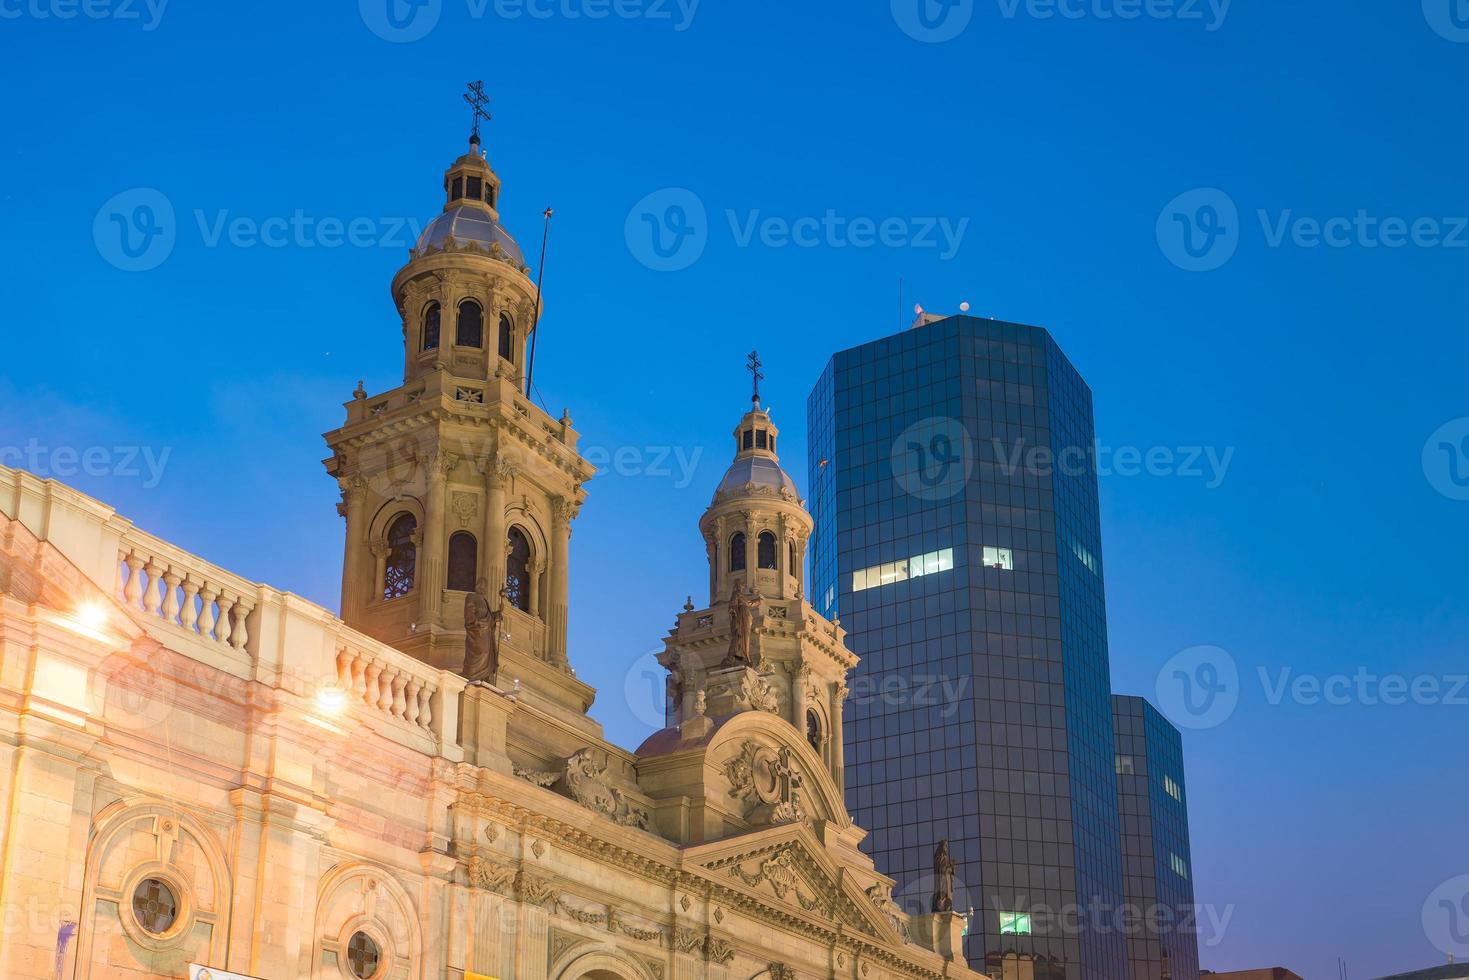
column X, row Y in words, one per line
column 477, row 100
column 753, row 364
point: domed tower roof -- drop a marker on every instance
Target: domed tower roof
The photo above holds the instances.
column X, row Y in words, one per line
column 471, row 191
column 756, row 470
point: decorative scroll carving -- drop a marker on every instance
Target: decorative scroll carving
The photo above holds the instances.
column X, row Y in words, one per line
column 686, row 940
column 533, row 890
column 716, row 950
column 586, row 778
column 881, row 897
column 537, row 776
column 490, row 876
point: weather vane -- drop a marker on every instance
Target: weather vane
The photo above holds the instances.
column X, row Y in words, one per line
column 753, row 365
column 477, row 100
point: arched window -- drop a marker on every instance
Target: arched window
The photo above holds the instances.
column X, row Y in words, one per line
column 507, row 336
column 737, row 552
column 813, row 728
column 463, row 561
column 517, row 570
column 765, row 551
column 471, row 329
column 402, row 560
column 431, row 317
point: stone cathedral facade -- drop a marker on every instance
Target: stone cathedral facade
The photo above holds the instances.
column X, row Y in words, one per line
column 204, row 774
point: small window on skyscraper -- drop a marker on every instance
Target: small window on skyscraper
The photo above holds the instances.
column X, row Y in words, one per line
column 1125, row 765
column 999, row 558
column 1172, row 788
column 1015, row 924
column 1180, row 866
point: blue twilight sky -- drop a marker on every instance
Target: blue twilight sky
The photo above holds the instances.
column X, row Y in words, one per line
column 1054, row 148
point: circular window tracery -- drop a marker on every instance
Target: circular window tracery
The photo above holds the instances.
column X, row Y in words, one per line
column 155, row 906
column 363, row 956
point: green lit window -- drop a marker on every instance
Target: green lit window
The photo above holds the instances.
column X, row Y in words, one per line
column 1014, row 923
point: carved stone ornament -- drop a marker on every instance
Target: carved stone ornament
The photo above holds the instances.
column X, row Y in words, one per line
column 768, row 782
column 779, row 971
column 686, row 941
column 586, row 778
column 881, row 897
column 489, row 875
column 716, row 950
column 533, row 890
column 465, row 507
column 538, row 776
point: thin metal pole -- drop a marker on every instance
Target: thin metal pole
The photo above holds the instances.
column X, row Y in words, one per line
column 535, row 330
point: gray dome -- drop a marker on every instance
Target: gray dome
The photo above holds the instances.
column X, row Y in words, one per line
column 467, row 224
column 759, row 470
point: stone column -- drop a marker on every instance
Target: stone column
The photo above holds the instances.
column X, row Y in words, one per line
column 838, row 747
column 533, row 599
column 354, row 567
column 799, row 678
column 431, row 557
column 781, row 548
column 497, row 477
column 752, row 552
column 561, row 514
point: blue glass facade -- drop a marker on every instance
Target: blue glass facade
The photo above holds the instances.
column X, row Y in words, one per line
column 1157, row 864
column 953, row 487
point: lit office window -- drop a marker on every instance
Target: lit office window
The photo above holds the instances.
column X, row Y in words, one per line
column 1172, row 788
column 1125, row 765
column 1180, row 866
column 901, row 571
column 1014, row 923
column 999, row 558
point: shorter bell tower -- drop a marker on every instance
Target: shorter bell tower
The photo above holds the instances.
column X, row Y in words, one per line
column 758, row 645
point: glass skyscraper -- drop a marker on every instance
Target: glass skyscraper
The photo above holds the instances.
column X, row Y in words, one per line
column 1157, row 866
column 954, row 490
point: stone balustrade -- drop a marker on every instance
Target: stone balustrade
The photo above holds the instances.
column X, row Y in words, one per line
column 389, row 683
column 184, row 591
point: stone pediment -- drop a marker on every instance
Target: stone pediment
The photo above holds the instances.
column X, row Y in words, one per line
column 787, row 865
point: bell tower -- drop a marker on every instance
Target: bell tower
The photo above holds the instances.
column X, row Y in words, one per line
column 456, row 474
column 759, row 645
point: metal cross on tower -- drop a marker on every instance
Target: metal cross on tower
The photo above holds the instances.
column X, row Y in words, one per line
column 477, row 100
column 753, row 365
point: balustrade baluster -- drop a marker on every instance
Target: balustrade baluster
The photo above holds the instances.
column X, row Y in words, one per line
column 239, row 636
column 207, row 595
column 222, row 625
column 133, row 592
column 171, row 582
column 410, row 701
column 189, row 619
column 153, row 595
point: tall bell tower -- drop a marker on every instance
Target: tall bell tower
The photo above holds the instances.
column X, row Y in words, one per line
column 456, row 475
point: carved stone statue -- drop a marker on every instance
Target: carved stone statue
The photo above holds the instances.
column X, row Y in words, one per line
column 742, row 607
column 482, row 628
column 943, row 878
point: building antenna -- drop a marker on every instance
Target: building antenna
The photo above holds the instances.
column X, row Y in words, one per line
column 535, row 331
